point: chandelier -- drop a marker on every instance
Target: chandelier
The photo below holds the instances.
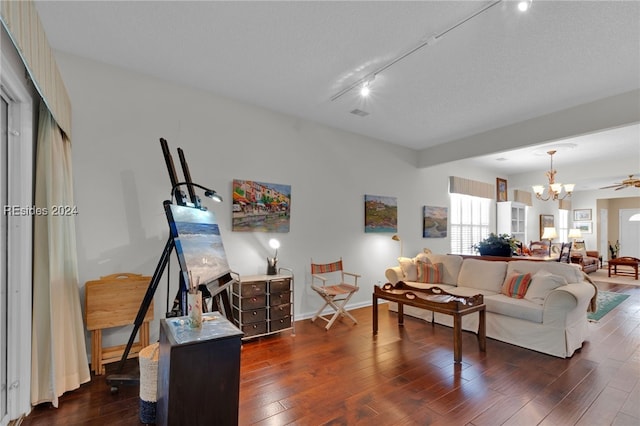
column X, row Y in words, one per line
column 554, row 190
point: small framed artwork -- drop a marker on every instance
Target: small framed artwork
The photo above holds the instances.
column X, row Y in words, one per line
column 582, row 214
column 546, row 221
column 501, row 189
column 260, row 206
column 434, row 222
column 584, row 227
column 380, row 214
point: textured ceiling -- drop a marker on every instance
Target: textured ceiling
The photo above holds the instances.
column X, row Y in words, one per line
column 499, row 68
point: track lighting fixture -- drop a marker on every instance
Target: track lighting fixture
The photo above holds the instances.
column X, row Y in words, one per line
column 364, row 83
column 524, row 5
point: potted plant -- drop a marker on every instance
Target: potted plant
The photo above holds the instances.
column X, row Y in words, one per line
column 614, row 249
column 496, row 245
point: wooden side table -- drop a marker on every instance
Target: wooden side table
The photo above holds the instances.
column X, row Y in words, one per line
column 436, row 300
column 627, row 261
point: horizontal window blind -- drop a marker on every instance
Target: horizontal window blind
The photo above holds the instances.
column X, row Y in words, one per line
column 523, row 197
column 458, row 185
column 564, row 205
column 469, row 220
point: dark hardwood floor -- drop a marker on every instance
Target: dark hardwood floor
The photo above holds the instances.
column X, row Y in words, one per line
column 406, row 376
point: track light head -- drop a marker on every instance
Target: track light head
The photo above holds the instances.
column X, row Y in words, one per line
column 365, row 90
column 524, row 5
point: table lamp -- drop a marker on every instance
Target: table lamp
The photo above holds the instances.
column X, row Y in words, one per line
column 575, row 234
column 272, row 261
column 550, row 234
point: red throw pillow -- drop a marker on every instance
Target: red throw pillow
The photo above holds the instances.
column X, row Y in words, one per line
column 516, row 285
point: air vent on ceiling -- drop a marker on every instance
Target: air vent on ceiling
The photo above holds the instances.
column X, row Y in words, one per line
column 359, row 112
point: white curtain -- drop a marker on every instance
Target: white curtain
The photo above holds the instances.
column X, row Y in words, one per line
column 59, row 356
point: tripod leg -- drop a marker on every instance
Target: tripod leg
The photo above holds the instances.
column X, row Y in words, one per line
column 148, row 298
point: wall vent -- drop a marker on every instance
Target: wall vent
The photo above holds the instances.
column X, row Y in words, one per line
column 359, row 112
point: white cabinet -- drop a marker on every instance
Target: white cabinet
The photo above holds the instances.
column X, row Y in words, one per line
column 512, row 219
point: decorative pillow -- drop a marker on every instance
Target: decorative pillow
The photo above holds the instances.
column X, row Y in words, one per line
column 409, row 269
column 579, row 248
column 421, row 257
column 429, row 272
column 516, row 285
column 542, row 283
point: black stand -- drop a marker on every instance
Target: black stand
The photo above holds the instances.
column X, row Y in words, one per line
column 220, row 294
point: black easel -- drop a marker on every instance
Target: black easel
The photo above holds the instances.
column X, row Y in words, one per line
column 220, row 295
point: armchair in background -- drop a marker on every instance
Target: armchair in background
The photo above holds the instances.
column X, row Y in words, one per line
column 589, row 260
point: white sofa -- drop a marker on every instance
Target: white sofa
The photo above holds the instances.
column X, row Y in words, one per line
column 551, row 317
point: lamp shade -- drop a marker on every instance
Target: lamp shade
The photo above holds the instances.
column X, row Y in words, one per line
column 635, row 218
column 274, row 244
column 575, row 233
column 549, row 233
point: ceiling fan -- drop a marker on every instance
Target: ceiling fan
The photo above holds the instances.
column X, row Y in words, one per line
column 625, row 183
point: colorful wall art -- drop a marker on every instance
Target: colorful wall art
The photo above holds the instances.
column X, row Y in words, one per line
column 434, row 222
column 380, row 214
column 261, row 206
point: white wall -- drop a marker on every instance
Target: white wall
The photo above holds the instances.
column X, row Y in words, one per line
column 121, row 180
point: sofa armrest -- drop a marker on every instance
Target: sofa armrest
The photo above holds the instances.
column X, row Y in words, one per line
column 394, row 274
column 593, row 253
column 567, row 304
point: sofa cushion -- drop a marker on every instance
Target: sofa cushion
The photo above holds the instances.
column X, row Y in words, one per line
column 542, row 283
column 516, row 285
column 451, row 264
column 482, row 274
column 571, row 272
column 515, row 308
column 429, row 272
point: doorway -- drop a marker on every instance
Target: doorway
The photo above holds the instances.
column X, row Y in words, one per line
column 16, row 188
column 629, row 234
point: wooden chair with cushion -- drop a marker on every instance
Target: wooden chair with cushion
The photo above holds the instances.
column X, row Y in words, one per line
column 539, row 248
column 565, row 253
column 336, row 295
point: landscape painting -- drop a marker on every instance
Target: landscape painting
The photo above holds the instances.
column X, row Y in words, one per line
column 380, row 214
column 260, row 206
column 198, row 243
column 434, row 222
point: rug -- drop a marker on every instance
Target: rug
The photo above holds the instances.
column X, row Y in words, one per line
column 601, row 276
column 607, row 300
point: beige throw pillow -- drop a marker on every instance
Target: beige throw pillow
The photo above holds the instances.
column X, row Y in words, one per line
column 409, row 269
column 542, row 283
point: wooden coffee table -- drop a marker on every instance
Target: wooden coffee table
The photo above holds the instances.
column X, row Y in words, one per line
column 631, row 262
column 436, row 300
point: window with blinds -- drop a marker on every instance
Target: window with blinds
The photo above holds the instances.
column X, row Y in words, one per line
column 563, row 225
column 469, row 218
